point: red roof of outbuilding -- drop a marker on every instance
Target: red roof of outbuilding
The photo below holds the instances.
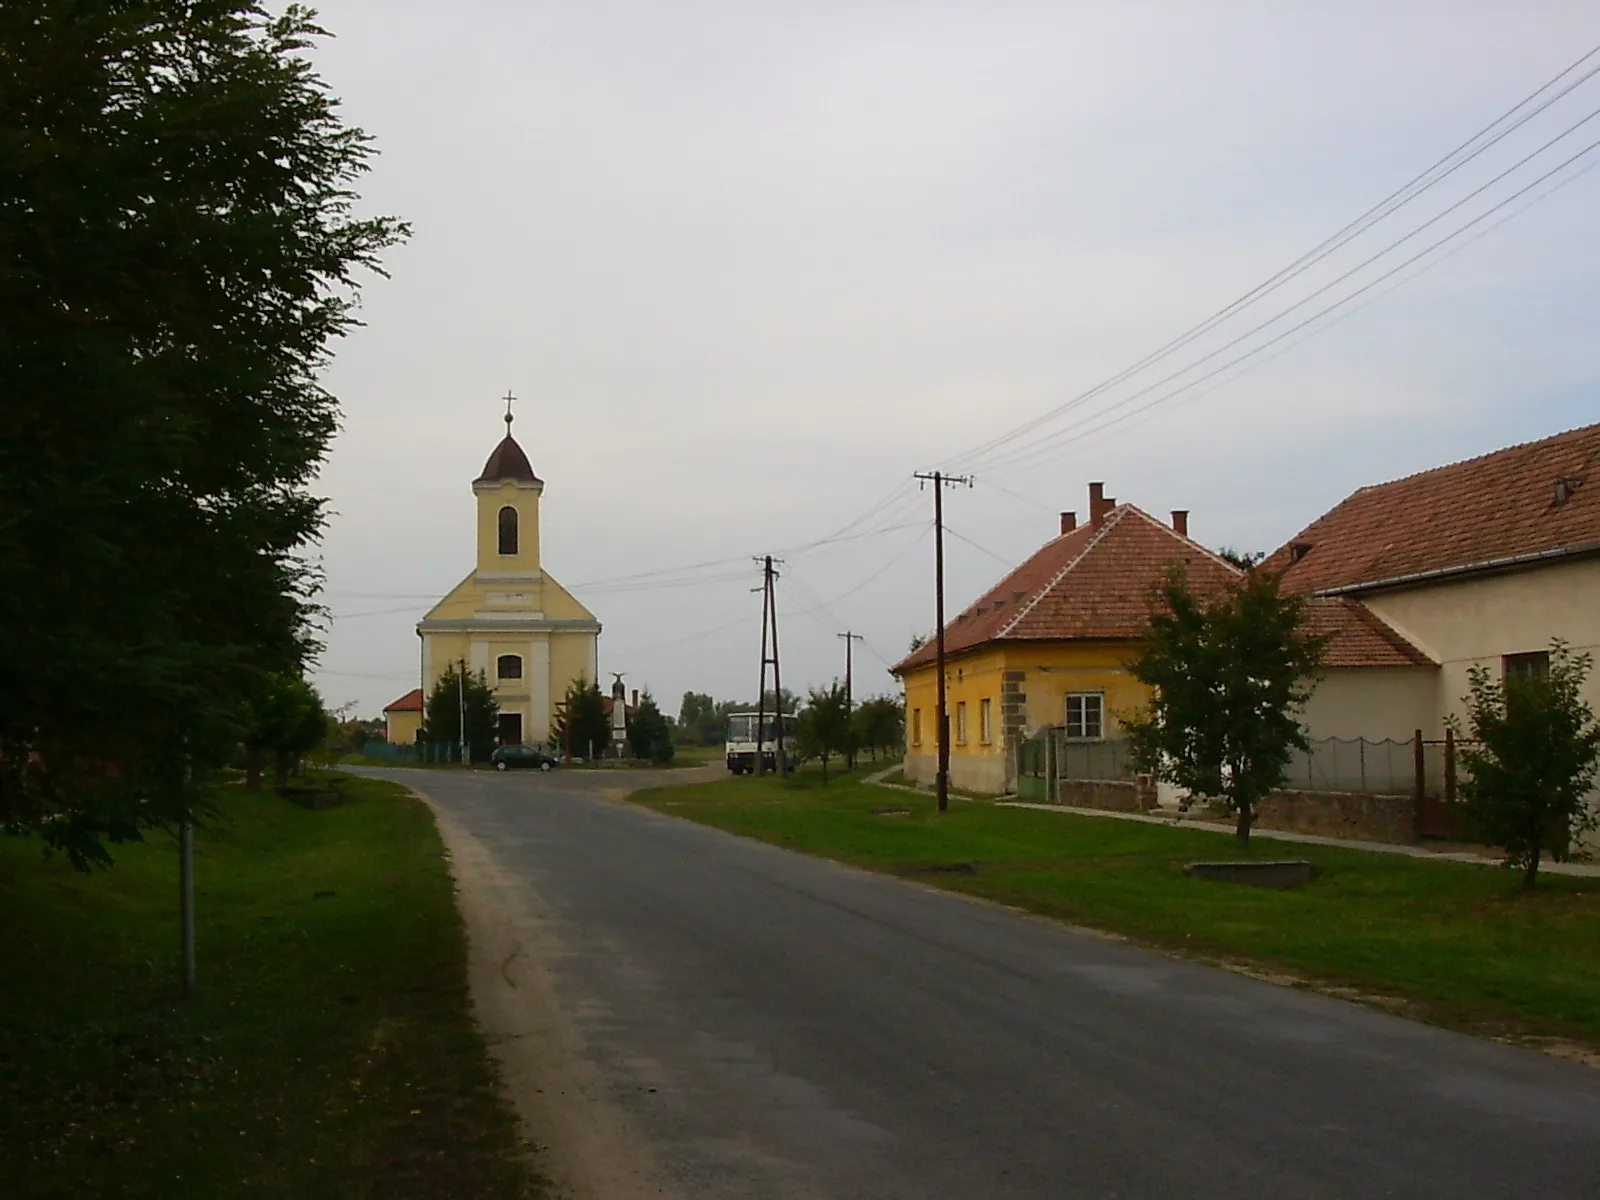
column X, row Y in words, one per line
column 1521, row 502
column 508, row 462
column 410, row 702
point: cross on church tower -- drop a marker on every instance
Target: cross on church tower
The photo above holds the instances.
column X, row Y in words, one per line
column 509, row 418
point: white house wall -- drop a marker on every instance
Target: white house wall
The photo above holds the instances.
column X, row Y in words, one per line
column 1474, row 622
column 1373, row 703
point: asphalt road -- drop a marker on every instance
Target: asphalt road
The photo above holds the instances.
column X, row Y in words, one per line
column 774, row 1025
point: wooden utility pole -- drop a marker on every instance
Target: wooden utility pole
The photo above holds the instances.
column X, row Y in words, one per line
column 769, row 621
column 940, row 481
column 761, row 690
column 849, row 699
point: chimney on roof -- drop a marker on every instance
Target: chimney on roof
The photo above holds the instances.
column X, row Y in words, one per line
column 1069, row 522
column 635, row 697
column 1180, row 522
column 1099, row 503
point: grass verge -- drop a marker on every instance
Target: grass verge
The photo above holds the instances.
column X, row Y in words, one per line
column 331, row 1051
column 1457, row 944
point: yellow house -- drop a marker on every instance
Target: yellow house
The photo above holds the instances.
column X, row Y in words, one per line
column 1049, row 644
column 509, row 618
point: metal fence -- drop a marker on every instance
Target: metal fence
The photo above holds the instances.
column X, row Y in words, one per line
column 1386, row 767
column 419, row 752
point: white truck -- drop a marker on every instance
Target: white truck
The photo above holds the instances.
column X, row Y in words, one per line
column 741, row 743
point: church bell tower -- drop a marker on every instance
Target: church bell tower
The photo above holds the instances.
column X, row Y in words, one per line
column 508, row 512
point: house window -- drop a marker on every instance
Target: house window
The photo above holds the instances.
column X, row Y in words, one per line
column 916, row 727
column 1085, row 715
column 961, row 722
column 1526, row 666
column 985, row 725
column 508, row 530
column 508, row 666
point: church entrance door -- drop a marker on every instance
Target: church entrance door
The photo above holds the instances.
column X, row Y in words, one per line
column 510, row 729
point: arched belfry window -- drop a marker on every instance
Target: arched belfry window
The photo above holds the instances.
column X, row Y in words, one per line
column 508, row 530
column 508, row 666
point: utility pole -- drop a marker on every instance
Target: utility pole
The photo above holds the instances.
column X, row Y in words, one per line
column 461, row 696
column 769, row 622
column 186, row 884
column 849, row 698
column 942, row 719
column 761, row 689
column 777, row 680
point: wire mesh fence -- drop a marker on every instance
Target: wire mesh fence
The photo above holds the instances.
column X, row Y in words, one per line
column 1380, row 767
column 1387, row 767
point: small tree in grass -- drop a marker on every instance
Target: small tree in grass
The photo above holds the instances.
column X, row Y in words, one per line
column 1227, row 678
column 824, row 727
column 649, row 735
column 441, row 720
column 288, row 720
column 581, row 727
column 1527, row 779
column 879, row 725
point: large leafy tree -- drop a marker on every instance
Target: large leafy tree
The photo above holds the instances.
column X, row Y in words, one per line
column 454, row 691
column 824, row 725
column 1532, row 761
column 581, row 727
column 178, row 248
column 649, row 735
column 1228, row 675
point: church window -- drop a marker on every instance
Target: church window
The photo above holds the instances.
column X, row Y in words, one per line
column 508, row 666
column 508, row 530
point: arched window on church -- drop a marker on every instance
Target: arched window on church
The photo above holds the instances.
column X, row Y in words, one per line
column 508, row 530
column 508, row 666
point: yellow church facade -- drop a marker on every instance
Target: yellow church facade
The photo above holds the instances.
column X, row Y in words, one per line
column 509, row 618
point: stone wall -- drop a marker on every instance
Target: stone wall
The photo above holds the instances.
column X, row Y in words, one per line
column 1108, row 795
column 1354, row 815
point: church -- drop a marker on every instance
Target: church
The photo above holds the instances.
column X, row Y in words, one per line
column 509, row 619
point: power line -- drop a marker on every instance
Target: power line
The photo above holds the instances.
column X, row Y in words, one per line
column 1055, row 441
column 1145, row 410
column 1407, row 192
column 960, row 537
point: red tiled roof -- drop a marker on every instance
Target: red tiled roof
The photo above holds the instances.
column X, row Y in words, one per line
column 1357, row 637
column 1094, row 583
column 507, row 462
column 410, row 702
column 1537, row 498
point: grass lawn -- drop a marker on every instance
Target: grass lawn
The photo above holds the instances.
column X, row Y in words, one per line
column 331, row 1051
column 1459, row 944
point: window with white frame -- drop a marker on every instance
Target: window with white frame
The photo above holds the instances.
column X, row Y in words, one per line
column 961, row 722
column 916, row 727
column 1086, row 715
column 985, row 722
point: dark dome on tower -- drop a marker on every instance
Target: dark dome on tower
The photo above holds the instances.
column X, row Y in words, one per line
column 508, row 462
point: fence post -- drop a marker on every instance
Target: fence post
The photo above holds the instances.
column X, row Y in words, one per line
column 1421, row 764
column 1449, row 765
column 1361, row 761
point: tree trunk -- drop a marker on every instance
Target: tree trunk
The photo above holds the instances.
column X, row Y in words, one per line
column 824, row 770
column 1531, row 875
column 252, row 768
column 1241, row 832
column 280, row 769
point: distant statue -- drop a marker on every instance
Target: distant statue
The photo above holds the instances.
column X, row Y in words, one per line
column 619, row 716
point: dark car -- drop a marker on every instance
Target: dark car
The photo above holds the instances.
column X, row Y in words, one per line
column 506, row 757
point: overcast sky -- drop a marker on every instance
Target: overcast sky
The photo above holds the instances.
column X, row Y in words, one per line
column 748, row 266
